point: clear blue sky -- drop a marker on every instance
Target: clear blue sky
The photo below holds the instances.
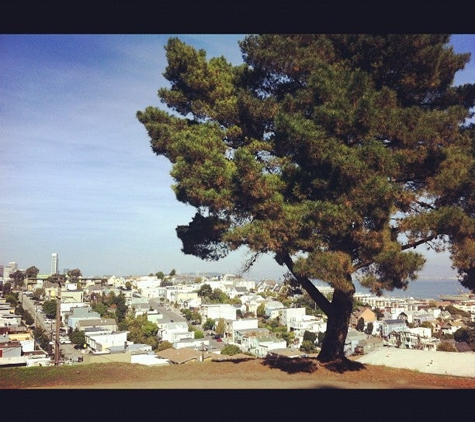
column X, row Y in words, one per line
column 77, row 175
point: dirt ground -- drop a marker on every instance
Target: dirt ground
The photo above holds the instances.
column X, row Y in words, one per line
column 239, row 374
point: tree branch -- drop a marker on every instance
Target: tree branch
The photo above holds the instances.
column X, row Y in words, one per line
column 324, row 304
column 419, row 242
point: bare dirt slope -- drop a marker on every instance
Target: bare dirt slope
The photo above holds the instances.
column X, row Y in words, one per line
column 240, row 374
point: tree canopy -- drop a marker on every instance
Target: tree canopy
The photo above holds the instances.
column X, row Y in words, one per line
column 74, row 275
column 32, row 272
column 50, row 307
column 337, row 154
column 18, row 277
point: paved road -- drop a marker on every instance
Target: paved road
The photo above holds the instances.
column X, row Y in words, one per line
column 39, row 318
column 169, row 312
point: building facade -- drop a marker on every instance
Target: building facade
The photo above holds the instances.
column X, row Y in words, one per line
column 54, row 263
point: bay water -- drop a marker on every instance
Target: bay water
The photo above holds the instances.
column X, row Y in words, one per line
column 423, row 288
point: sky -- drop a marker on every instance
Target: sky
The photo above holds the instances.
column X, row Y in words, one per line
column 77, row 174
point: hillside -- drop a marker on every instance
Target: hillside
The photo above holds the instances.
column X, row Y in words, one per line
column 240, row 374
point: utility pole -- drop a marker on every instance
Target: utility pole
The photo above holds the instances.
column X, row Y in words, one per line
column 58, row 323
column 56, row 278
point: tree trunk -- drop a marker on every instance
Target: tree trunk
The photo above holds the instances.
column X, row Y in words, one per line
column 337, row 327
column 338, row 312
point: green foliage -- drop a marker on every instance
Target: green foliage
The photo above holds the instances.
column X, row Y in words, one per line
column 121, row 307
column 220, row 326
column 205, row 291
column 12, row 299
column 160, row 275
column 141, row 330
column 466, row 334
column 369, row 328
column 230, row 350
column 100, row 308
column 196, row 317
column 38, row 293
column 288, row 336
column 360, row 324
column 186, row 313
column 208, row 324
column 308, row 346
column 218, row 296
column 261, row 310
column 271, row 324
column 18, row 277
column 31, row 272
column 6, row 288
column 49, row 308
column 164, row 345
column 74, row 275
column 456, row 311
column 26, row 316
column 199, row 334
column 298, row 297
column 78, row 338
column 445, row 346
column 41, row 338
column 307, row 335
column 379, row 313
column 338, row 154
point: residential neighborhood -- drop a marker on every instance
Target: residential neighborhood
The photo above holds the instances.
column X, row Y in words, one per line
column 179, row 319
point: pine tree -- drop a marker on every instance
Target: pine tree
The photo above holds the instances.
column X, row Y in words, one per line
column 337, row 154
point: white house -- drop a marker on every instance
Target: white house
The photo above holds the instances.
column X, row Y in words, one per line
column 392, row 325
column 252, row 302
column 174, row 331
column 272, row 308
column 241, row 324
column 267, row 344
column 248, row 284
column 411, row 338
column 198, row 344
column 287, row 314
column 217, row 311
column 193, row 303
column 102, row 342
column 310, row 323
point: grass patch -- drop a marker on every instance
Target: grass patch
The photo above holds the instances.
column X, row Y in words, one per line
column 34, row 377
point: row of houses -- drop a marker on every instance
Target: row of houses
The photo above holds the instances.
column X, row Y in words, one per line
column 17, row 345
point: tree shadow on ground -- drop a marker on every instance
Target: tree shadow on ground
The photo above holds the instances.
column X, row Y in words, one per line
column 344, row 365
column 291, row 365
column 233, row 360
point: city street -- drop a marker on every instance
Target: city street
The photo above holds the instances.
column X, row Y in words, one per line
column 168, row 312
column 49, row 325
column 34, row 310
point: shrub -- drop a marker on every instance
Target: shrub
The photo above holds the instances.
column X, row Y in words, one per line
column 230, row 350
